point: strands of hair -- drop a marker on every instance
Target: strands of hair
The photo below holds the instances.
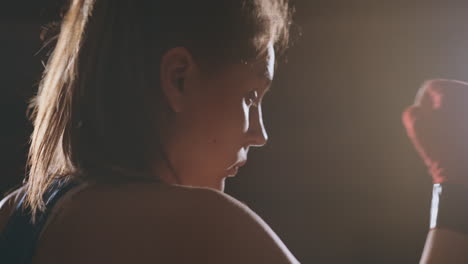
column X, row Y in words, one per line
column 85, row 115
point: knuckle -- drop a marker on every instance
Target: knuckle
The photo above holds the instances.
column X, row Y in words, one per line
column 445, row 85
column 409, row 115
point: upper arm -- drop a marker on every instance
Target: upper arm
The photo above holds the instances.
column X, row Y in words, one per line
column 239, row 235
column 188, row 225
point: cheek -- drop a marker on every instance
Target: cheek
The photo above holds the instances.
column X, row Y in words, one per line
column 226, row 126
column 221, row 121
column 214, row 135
column 230, row 120
column 216, row 123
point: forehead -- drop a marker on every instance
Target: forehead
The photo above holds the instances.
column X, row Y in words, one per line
column 265, row 64
column 270, row 60
column 259, row 71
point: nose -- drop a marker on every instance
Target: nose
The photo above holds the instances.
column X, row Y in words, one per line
column 258, row 136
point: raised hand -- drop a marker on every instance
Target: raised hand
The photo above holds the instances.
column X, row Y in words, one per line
column 437, row 124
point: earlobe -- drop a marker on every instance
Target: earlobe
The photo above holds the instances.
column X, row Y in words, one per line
column 175, row 66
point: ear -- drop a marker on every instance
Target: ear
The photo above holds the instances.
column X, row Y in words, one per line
column 176, row 65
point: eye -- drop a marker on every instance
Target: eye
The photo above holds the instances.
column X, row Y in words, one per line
column 252, row 98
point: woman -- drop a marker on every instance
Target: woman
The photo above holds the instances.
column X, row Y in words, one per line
column 144, row 109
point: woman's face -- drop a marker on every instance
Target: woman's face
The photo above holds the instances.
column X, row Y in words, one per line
column 218, row 119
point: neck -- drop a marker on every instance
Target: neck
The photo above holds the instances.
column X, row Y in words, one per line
column 164, row 169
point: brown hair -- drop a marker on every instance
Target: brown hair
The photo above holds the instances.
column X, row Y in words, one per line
column 96, row 104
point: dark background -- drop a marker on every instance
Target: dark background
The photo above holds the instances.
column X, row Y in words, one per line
column 338, row 181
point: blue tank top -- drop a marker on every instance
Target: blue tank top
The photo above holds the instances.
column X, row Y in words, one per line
column 19, row 238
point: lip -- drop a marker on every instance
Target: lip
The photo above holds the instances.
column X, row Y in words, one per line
column 240, row 164
column 233, row 171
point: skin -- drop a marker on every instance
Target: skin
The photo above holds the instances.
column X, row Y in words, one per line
column 211, row 124
column 213, row 120
column 436, row 126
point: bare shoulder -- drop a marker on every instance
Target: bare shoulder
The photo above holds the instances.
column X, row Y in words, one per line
column 168, row 223
column 251, row 238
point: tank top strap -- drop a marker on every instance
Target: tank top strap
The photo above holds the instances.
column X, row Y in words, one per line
column 19, row 238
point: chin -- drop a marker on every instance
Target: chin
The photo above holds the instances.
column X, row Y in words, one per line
column 221, row 187
column 218, row 185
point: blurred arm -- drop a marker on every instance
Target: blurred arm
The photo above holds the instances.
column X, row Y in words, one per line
column 445, row 246
column 447, row 240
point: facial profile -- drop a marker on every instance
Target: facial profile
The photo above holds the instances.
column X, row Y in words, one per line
column 215, row 119
column 162, row 94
